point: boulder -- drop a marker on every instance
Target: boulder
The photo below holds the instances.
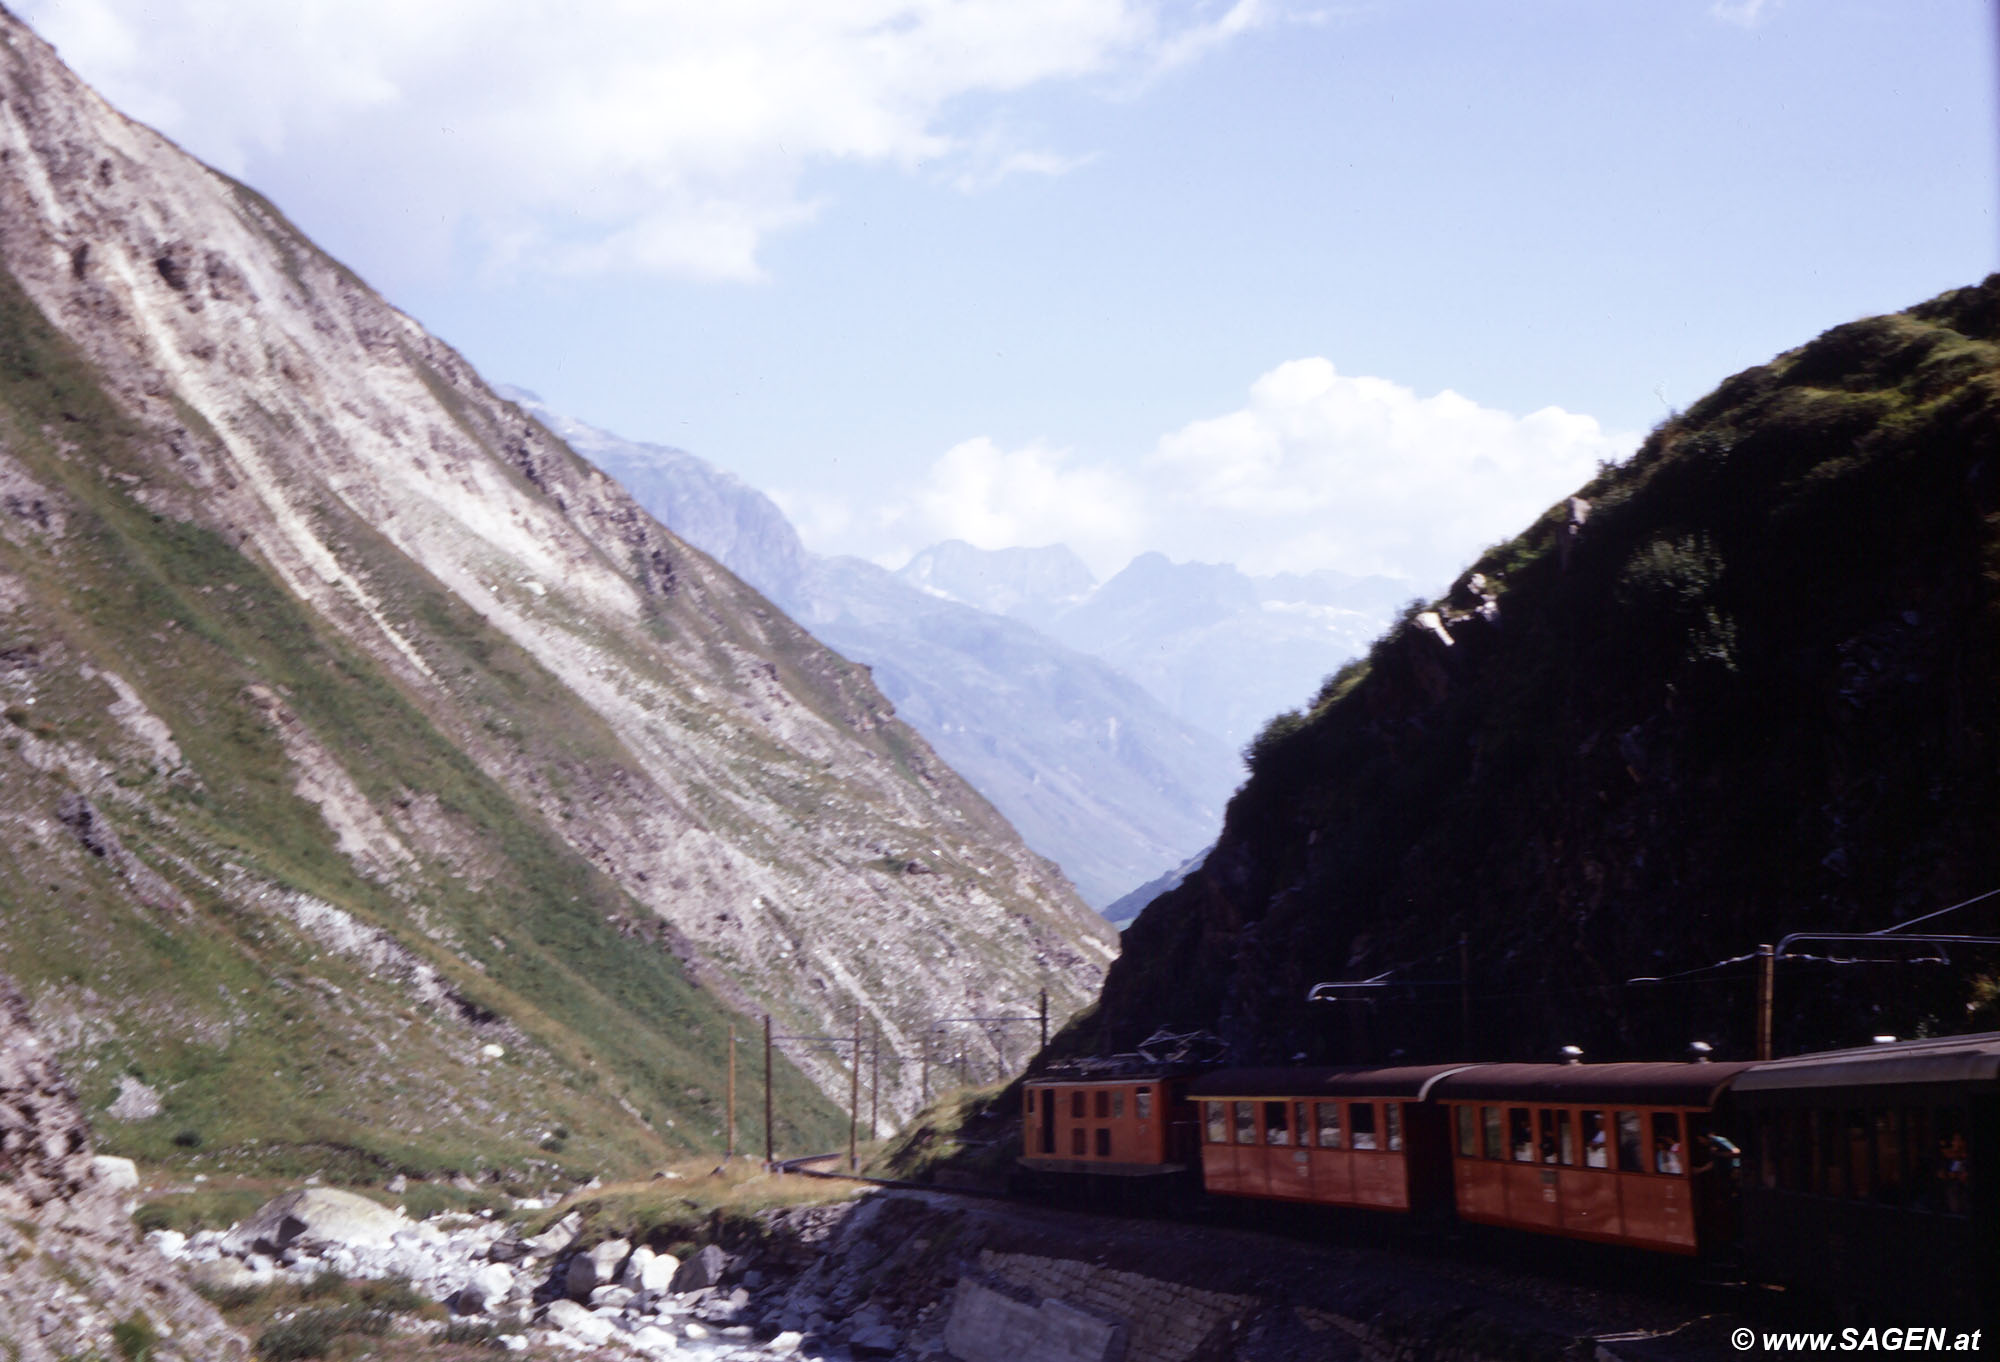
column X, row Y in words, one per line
column 487, row 1287
column 555, row 1238
column 703, row 1270
column 595, row 1267
column 120, row 1175
column 316, row 1215
column 876, row 1340
column 573, row 1319
column 646, row 1270
column 617, row 1297
column 653, row 1339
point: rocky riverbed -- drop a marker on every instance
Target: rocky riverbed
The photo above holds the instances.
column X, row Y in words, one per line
column 935, row 1278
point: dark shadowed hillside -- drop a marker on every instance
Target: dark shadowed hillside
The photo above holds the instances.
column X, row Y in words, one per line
column 1743, row 685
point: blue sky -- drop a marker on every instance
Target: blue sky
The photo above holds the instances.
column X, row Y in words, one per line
column 1294, row 285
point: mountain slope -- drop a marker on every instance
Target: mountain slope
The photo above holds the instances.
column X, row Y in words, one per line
column 379, row 777
column 1095, row 773
column 1746, row 684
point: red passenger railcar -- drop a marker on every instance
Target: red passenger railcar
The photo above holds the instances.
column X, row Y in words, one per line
column 1122, row 1125
column 1620, row 1153
column 1339, row 1137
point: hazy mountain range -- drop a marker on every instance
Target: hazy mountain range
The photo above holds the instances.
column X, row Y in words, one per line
column 1103, row 719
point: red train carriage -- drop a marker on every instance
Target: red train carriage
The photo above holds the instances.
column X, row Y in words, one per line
column 1125, row 1125
column 1620, row 1153
column 1340, row 1137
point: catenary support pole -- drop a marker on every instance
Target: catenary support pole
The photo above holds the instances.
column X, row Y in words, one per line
column 770, row 1151
column 729, row 1150
column 1767, row 978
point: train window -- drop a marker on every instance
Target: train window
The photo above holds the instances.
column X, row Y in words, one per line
column 1468, row 1131
column 1832, row 1176
column 1361, row 1120
column 1547, row 1124
column 1920, row 1158
column 1076, row 1104
column 1631, row 1143
column 1277, row 1126
column 1889, row 1156
column 1118, row 1104
column 1103, row 1142
column 1953, row 1161
column 1596, row 1153
column 1765, row 1133
column 1565, row 1140
column 1854, row 1138
column 1329, row 1125
column 1496, row 1135
column 1246, row 1123
column 1103, row 1104
column 1301, row 1122
column 1217, row 1116
column 1076, row 1141
column 1668, row 1155
column 1521, row 1134
column 1031, row 1101
column 1142, row 1103
column 1392, row 1115
column 1789, row 1129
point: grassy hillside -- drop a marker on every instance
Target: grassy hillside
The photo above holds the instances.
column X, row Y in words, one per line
column 178, row 957
column 1748, row 685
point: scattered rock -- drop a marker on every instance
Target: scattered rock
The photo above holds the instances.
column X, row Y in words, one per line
column 317, row 1216
column 135, row 1101
column 556, row 1237
column 701, row 1271
column 571, row 1318
column 595, row 1267
column 120, row 1175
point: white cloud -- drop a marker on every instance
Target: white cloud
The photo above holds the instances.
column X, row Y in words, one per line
column 1743, row 13
column 1320, row 469
column 1316, row 470
column 665, row 136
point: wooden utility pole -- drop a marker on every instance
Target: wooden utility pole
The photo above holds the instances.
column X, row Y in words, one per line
column 1767, row 978
column 1045, row 1022
column 770, row 1153
column 854, row 1099
column 925, row 1085
column 729, row 1152
column 875, row 1082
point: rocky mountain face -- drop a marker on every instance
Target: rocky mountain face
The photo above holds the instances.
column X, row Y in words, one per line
column 1096, row 773
column 1746, row 684
column 77, row 1280
column 380, row 782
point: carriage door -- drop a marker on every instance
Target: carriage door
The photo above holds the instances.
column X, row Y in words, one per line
column 1048, row 1120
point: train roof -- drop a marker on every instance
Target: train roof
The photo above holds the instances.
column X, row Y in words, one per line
column 1954, row 1059
column 1409, row 1080
column 1639, row 1084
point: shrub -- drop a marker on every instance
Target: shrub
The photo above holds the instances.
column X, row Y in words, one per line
column 1275, row 734
column 311, row 1332
column 135, row 1338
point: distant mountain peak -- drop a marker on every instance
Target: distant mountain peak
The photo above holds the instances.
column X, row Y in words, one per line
column 1026, row 583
